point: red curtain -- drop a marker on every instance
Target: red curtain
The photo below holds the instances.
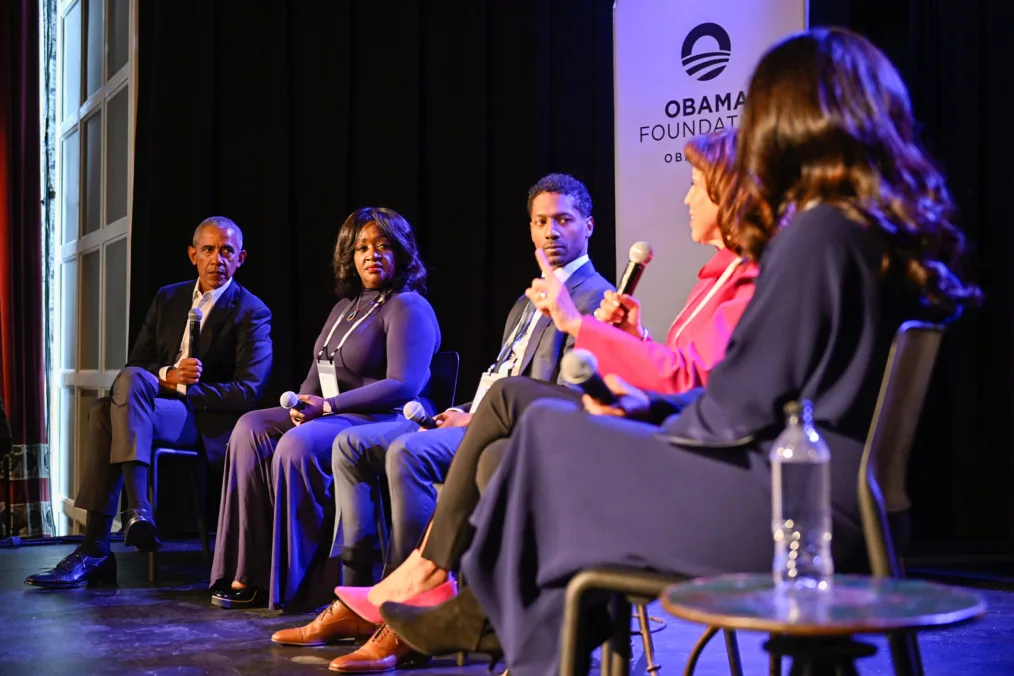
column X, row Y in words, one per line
column 26, row 501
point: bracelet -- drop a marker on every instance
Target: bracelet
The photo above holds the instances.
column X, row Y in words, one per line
column 644, row 334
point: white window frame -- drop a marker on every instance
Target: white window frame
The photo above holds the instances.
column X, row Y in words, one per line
column 64, row 440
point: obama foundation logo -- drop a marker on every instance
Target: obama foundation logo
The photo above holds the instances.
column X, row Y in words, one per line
column 700, row 58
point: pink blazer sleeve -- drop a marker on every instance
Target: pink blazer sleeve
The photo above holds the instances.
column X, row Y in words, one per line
column 670, row 369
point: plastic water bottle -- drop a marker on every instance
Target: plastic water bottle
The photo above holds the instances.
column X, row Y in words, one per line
column 801, row 503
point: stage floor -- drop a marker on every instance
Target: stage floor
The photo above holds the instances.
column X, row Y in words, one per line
column 172, row 628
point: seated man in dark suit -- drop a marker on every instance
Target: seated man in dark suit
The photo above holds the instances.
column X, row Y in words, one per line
column 165, row 395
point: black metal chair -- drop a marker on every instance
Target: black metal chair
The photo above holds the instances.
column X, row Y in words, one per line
column 443, row 385
column 883, row 504
column 197, row 494
column 883, row 498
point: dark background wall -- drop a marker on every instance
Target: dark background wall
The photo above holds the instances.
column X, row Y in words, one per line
column 286, row 116
column 956, row 56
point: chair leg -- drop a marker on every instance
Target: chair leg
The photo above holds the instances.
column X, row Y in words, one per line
column 153, row 500
column 202, row 526
column 774, row 664
column 695, row 654
column 382, row 536
column 570, row 639
column 606, row 667
column 620, row 653
column 732, row 648
column 905, row 653
column 649, row 643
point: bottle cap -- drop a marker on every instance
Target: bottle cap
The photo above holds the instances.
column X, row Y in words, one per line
column 793, row 408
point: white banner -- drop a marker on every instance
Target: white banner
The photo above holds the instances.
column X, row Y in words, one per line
column 681, row 68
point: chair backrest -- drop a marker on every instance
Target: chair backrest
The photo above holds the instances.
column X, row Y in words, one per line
column 443, row 385
column 884, row 466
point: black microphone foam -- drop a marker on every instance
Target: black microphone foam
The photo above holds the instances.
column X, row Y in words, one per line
column 194, row 318
column 640, row 255
column 290, row 400
column 415, row 412
column 579, row 367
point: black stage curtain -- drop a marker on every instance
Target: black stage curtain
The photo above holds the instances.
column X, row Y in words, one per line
column 956, row 58
column 287, row 116
column 960, row 56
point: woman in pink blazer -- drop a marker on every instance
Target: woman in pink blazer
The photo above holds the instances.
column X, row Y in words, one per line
column 700, row 333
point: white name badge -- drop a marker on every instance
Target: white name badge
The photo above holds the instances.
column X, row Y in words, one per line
column 487, row 382
column 328, row 379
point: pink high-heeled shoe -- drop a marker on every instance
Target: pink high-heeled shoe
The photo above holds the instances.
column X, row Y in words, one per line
column 355, row 599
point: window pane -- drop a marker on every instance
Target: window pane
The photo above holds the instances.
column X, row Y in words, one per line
column 72, row 61
column 93, row 173
column 116, row 156
column 68, row 442
column 95, row 50
column 85, row 400
column 71, row 186
column 115, row 314
column 119, row 38
column 68, row 313
column 89, row 318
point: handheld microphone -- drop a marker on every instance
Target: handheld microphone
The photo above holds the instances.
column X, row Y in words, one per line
column 290, row 400
column 580, row 367
column 640, row 255
column 194, row 318
column 415, row 412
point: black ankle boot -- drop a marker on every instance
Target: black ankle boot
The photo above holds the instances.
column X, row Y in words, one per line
column 457, row 625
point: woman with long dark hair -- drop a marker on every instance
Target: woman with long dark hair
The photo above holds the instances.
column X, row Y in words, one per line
column 371, row 357
column 851, row 224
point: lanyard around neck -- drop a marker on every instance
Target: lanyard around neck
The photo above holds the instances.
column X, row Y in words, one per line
column 707, row 297
column 515, row 335
column 323, row 350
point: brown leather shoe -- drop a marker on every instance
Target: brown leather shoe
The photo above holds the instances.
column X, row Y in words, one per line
column 334, row 623
column 383, row 652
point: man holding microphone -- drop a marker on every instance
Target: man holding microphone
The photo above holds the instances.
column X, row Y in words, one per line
column 170, row 395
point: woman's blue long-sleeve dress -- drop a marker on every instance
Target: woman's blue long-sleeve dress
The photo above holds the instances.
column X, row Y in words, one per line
column 692, row 496
column 277, row 514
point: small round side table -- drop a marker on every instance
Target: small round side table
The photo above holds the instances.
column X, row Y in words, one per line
column 816, row 629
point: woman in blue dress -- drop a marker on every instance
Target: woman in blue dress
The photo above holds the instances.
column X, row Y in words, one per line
column 851, row 224
column 371, row 357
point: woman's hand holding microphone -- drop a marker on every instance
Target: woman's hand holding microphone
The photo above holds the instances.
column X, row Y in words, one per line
column 622, row 311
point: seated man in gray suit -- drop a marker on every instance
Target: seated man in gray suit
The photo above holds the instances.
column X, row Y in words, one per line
column 168, row 395
column 412, row 460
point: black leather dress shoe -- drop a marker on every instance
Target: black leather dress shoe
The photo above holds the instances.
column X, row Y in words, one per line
column 139, row 530
column 77, row 570
column 249, row 597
